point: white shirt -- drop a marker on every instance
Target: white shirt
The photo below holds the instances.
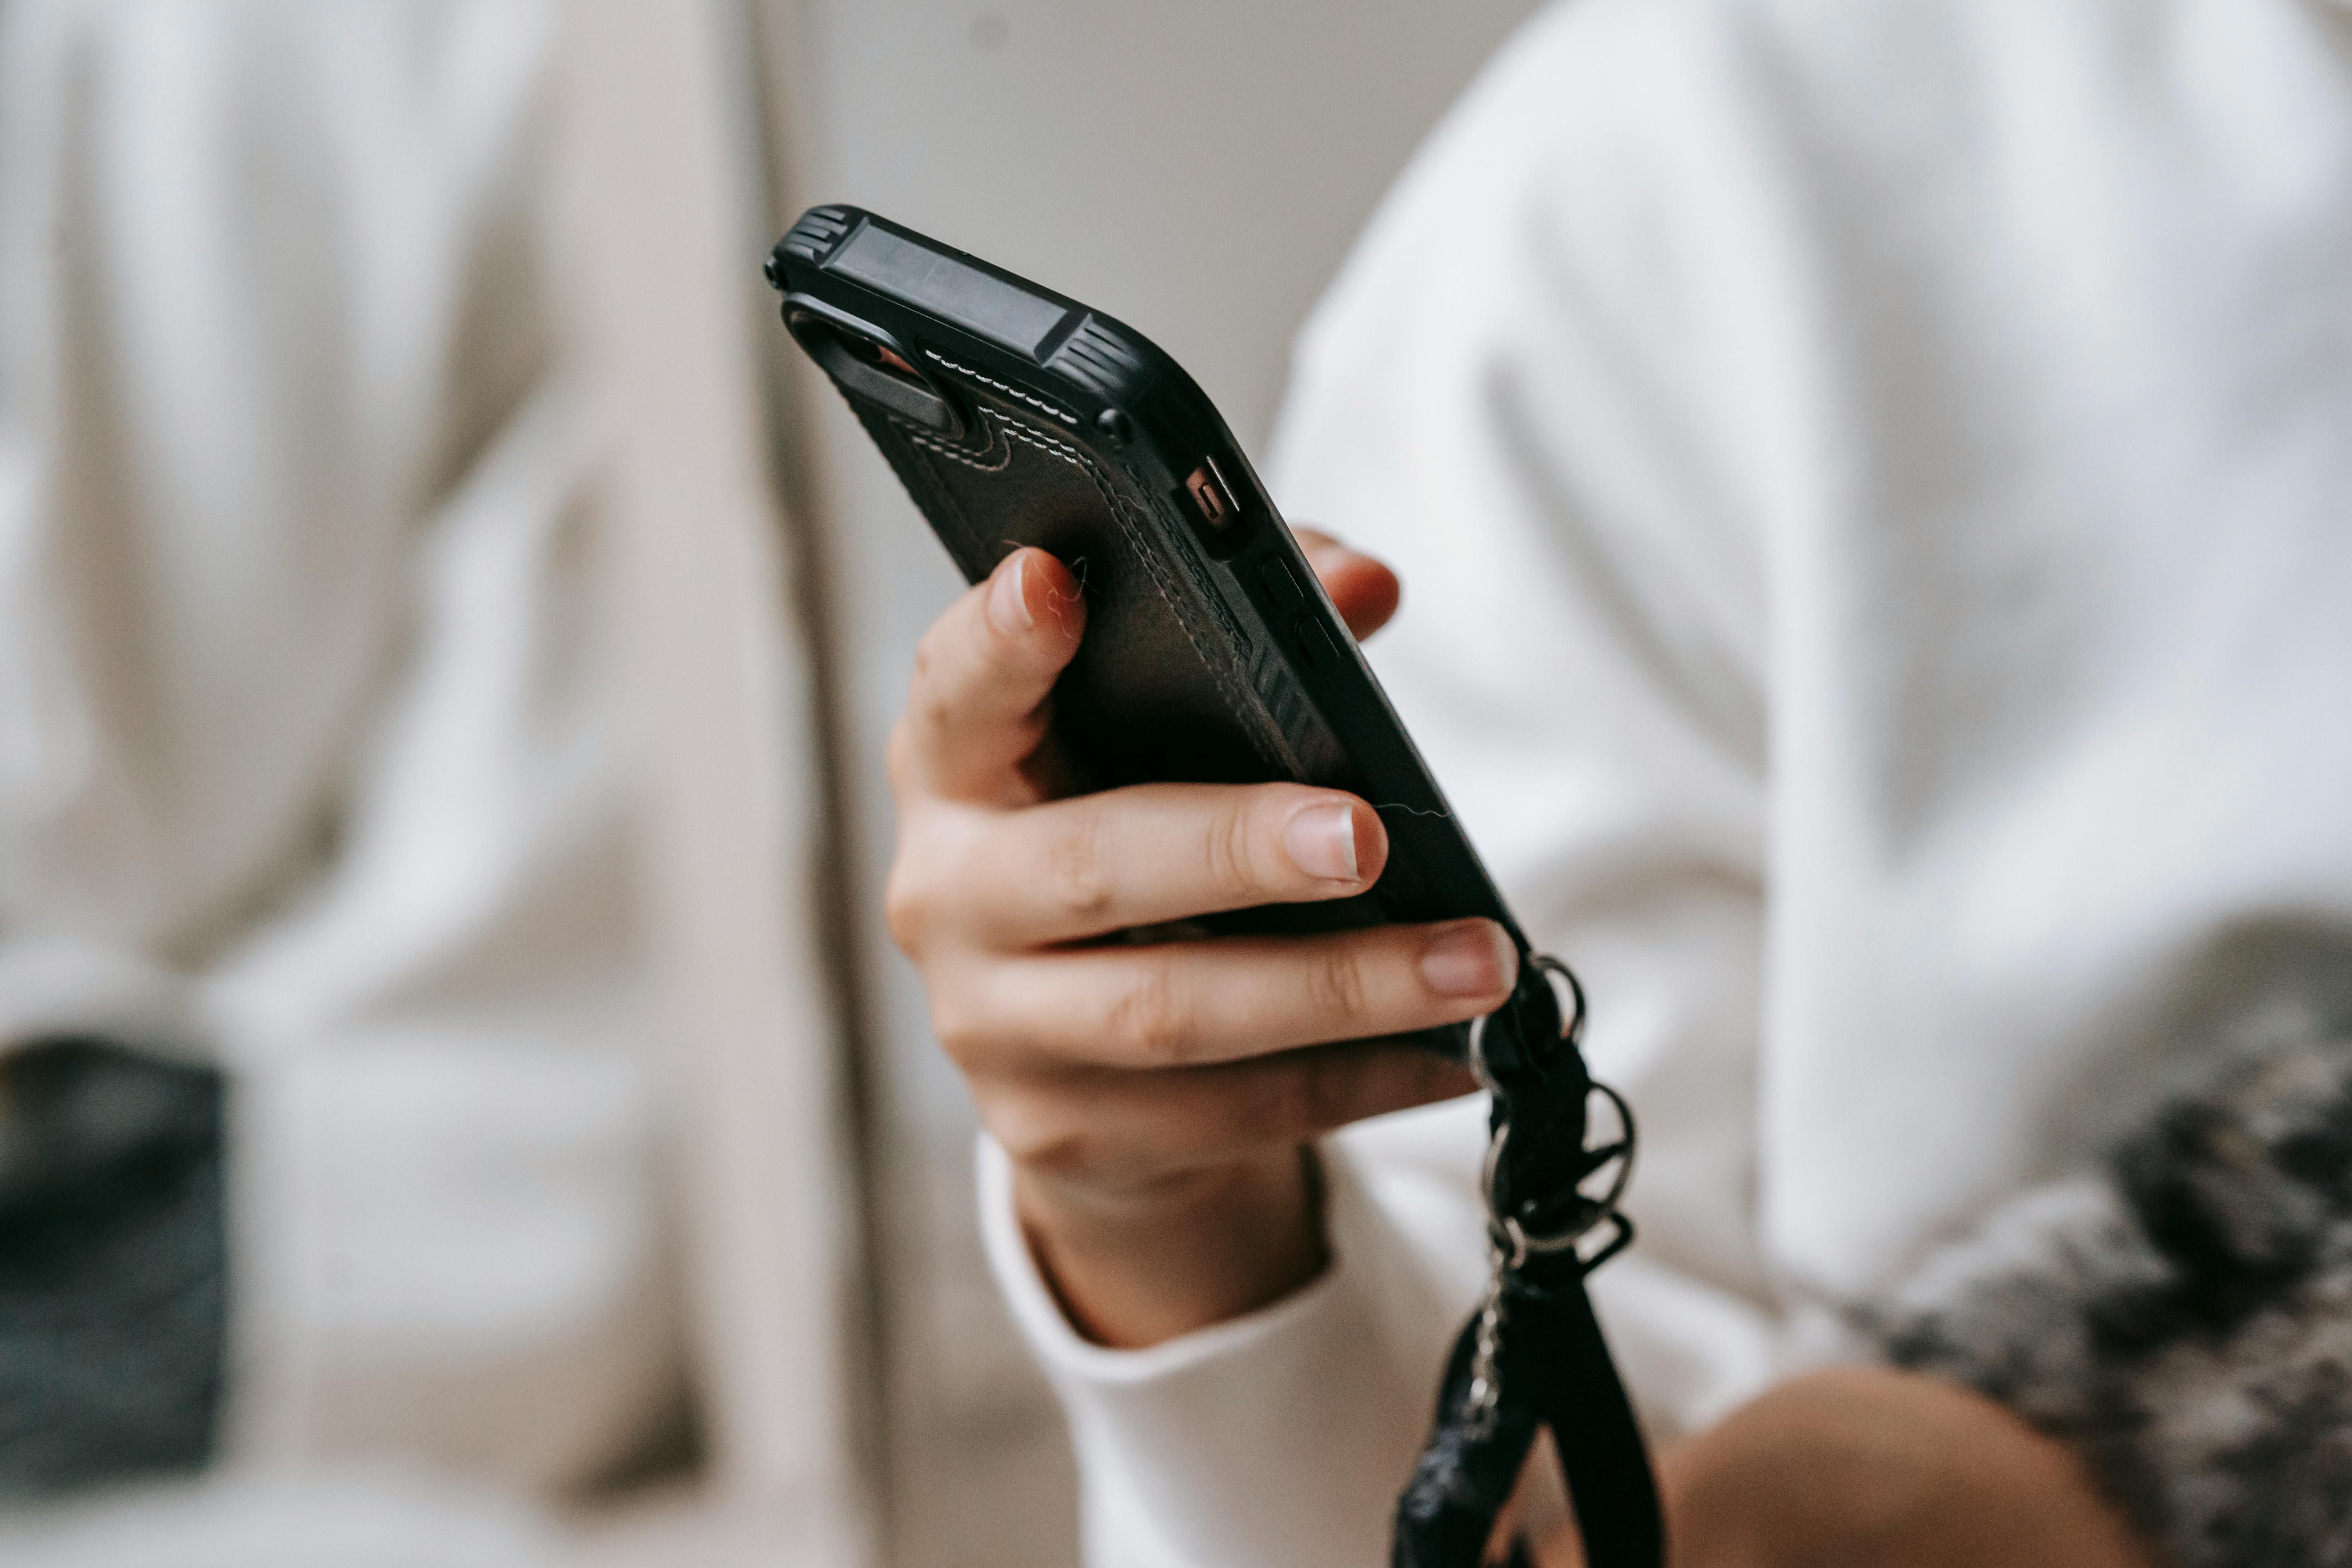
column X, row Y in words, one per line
column 1873, row 487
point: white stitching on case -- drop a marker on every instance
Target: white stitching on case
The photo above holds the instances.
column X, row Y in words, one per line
column 956, row 453
column 1064, row 414
column 1253, row 721
column 1001, row 424
column 1061, row 449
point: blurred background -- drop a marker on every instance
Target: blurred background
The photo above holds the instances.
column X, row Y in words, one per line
column 457, row 1100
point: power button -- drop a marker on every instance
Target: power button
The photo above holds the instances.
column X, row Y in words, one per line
column 1316, row 643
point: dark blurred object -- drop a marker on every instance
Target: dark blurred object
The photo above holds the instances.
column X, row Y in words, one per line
column 113, row 1266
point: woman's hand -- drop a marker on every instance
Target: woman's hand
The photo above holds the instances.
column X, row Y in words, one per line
column 1157, row 1095
column 1864, row 1468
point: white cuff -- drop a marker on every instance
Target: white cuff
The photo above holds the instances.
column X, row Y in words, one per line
column 1280, row 1437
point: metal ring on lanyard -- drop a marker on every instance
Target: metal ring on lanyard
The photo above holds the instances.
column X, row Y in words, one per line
column 1513, row 1239
column 1534, row 1330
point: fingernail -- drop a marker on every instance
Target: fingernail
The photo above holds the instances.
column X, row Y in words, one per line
column 1471, row 958
column 1322, row 841
column 1008, row 598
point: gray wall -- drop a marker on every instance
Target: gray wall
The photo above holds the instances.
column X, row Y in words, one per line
column 1198, row 170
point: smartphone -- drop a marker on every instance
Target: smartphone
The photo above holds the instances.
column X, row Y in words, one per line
column 1017, row 416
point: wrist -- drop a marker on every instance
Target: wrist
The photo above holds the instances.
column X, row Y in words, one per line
column 1143, row 1263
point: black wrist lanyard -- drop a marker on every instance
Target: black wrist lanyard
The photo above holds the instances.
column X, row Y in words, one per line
column 1533, row 1355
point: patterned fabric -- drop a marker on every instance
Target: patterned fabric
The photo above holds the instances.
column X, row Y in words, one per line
column 113, row 1266
column 2184, row 1317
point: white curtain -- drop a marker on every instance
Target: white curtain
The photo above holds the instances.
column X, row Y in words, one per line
column 400, row 707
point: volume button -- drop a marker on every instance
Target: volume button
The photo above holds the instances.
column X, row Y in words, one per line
column 1315, row 644
column 1281, row 586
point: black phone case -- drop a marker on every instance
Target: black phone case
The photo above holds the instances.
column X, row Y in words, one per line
column 1016, row 416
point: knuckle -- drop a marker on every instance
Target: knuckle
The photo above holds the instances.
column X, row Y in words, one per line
column 925, row 880
column 1078, row 876
column 1151, row 1017
column 933, row 710
column 931, row 696
column 1338, row 989
column 1029, row 730
column 1226, row 848
column 958, row 1024
column 907, row 908
column 1054, row 1148
column 926, row 654
column 1038, row 1130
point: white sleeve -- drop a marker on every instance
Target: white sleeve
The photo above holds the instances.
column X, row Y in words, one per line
column 1282, row 1437
column 1509, row 396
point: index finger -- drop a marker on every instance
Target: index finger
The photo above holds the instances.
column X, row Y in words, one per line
column 978, row 704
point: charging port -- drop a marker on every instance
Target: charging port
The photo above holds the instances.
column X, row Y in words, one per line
column 1209, row 495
